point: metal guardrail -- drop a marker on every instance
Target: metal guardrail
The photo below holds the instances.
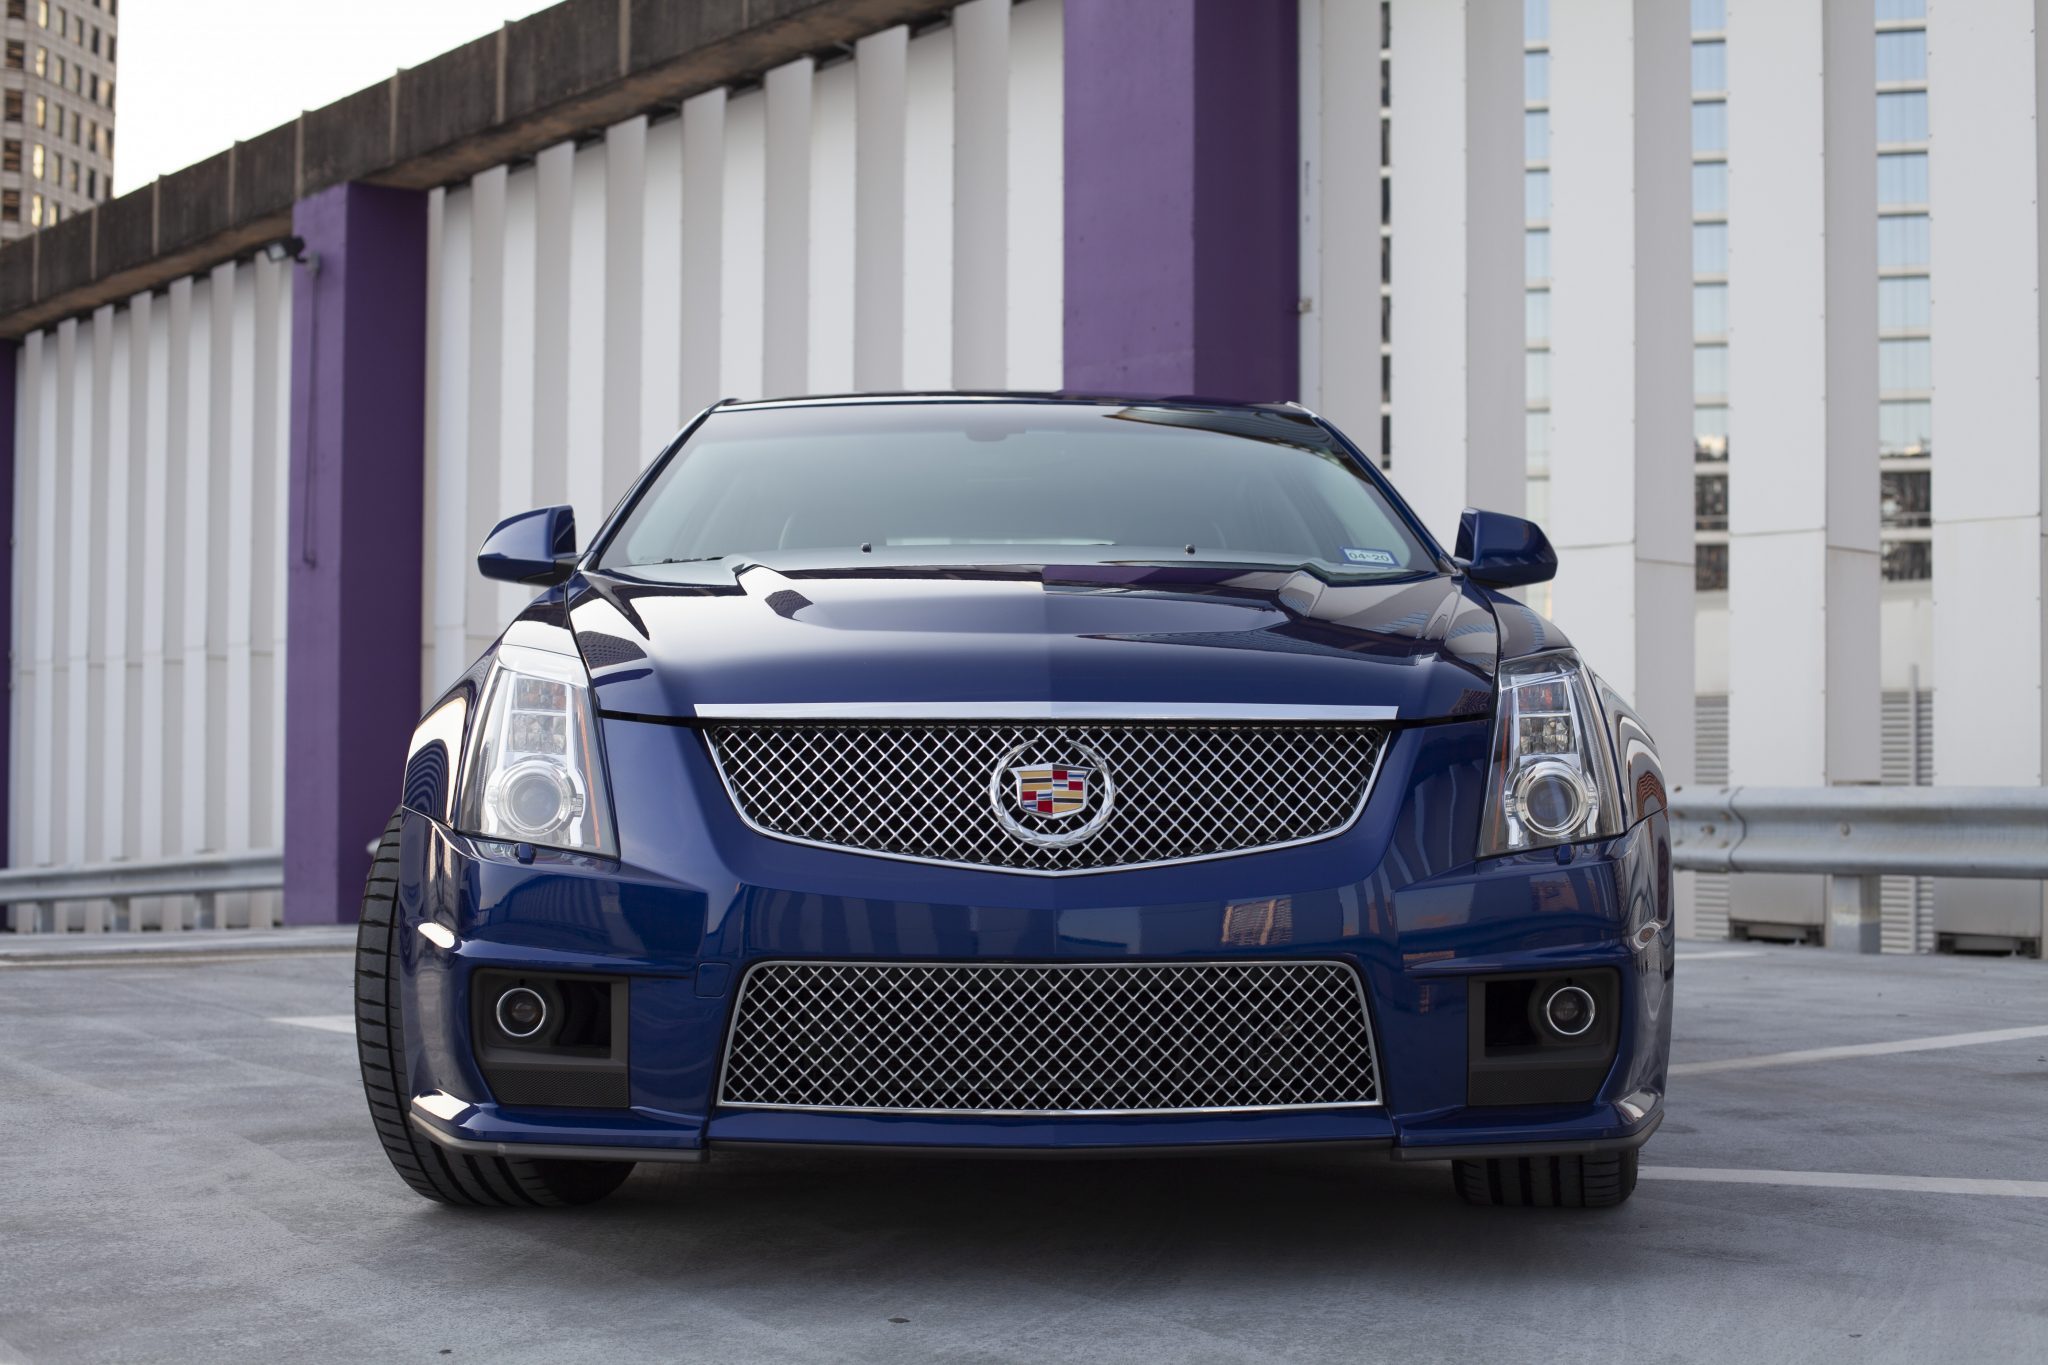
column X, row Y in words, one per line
column 204, row 875
column 1863, row 831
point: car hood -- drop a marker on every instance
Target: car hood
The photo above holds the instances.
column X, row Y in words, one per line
column 665, row 640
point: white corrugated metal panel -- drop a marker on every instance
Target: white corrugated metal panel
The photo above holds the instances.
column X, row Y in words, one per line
column 1907, row 903
column 151, row 443
column 582, row 307
column 1710, row 759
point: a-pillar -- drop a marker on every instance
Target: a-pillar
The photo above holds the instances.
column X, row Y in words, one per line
column 359, row 343
column 1181, row 197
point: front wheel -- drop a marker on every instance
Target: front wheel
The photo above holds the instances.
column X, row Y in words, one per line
column 431, row 1169
column 1598, row 1181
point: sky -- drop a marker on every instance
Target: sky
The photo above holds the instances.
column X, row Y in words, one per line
column 195, row 76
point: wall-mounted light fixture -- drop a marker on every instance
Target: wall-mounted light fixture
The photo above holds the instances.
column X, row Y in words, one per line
column 293, row 249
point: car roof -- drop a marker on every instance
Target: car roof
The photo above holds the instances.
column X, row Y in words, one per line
column 1010, row 396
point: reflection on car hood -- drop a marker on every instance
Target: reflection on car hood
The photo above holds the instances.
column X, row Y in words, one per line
column 663, row 640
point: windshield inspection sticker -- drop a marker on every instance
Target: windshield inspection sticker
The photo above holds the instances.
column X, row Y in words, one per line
column 1358, row 556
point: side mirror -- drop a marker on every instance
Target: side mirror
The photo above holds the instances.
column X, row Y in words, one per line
column 536, row 548
column 1501, row 551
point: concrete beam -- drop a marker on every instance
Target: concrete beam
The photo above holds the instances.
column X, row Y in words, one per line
column 569, row 71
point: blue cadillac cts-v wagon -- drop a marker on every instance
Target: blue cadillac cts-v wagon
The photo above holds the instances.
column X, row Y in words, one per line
column 1037, row 773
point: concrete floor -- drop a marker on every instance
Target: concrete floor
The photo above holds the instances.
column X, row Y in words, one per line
column 181, row 1178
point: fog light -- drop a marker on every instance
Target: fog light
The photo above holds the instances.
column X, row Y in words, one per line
column 522, row 1012
column 1568, row 1011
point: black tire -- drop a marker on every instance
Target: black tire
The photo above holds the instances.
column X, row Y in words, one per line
column 431, row 1169
column 1548, row 1182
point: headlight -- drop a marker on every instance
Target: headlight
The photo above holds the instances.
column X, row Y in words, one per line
column 534, row 773
column 1553, row 778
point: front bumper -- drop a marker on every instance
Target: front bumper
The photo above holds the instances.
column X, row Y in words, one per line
column 698, row 899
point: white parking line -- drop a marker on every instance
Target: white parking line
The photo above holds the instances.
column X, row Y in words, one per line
column 1853, row 1180
column 1721, row 952
column 326, row 1023
column 1829, row 1054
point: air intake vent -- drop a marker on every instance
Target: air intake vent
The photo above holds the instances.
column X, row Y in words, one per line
column 1084, row 1038
column 608, row 651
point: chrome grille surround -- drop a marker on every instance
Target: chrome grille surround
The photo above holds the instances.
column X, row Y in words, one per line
column 1048, row 1040
column 926, row 791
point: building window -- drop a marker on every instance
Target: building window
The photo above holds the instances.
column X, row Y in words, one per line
column 1709, row 68
column 92, row 184
column 35, row 210
column 1710, row 187
column 1536, row 317
column 15, row 51
column 1904, row 304
column 1535, row 77
column 1902, row 241
column 17, row 9
column 1902, row 179
column 42, row 112
column 43, row 13
column 1536, row 135
column 1710, row 502
column 1536, row 196
column 1905, row 427
column 1905, row 365
column 1905, row 499
column 74, row 173
column 1710, row 310
column 1710, row 568
column 1710, row 433
column 1536, row 254
column 1710, row 371
column 1710, row 126
column 1536, row 376
column 35, row 161
column 1709, row 16
column 10, row 206
column 1709, row 248
column 42, row 61
column 1901, row 56
column 1535, row 20
column 14, row 106
column 1902, row 116
column 1908, row 561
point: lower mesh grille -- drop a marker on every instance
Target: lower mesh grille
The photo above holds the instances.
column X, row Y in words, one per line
column 1107, row 1038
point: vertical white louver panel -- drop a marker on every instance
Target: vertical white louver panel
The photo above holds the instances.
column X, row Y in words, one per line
column 584, row 305
column 1907, row 903
column 1710, row 762
column 149, row 545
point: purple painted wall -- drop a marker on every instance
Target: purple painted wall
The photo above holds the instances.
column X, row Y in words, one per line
column 1181, row 237
column 352, row 671
column 9, row 353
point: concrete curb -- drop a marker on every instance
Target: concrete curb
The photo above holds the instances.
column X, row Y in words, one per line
column 195, row 945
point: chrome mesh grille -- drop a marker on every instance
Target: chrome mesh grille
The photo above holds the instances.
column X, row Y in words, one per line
column 922, row 789
column 1121, row 1038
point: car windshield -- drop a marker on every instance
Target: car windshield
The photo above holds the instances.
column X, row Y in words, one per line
column 999, row 482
